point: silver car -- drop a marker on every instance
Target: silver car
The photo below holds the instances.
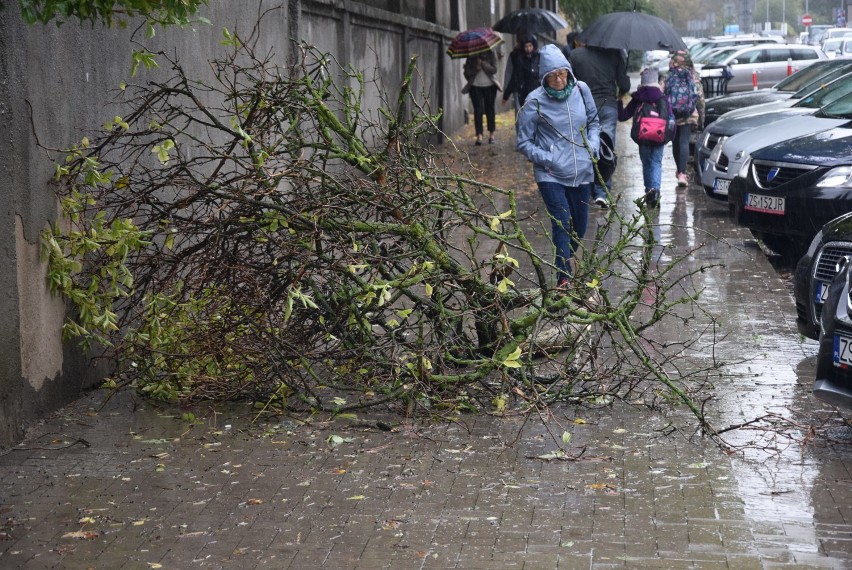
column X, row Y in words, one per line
column 765, row 64
column 736, row 139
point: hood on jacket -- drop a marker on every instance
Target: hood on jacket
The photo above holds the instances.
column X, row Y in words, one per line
column 648, row 93
column 551, row 58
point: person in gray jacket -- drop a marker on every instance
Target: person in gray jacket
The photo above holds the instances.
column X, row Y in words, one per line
column 551, row 128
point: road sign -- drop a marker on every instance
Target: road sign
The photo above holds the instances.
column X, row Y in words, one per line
column 807, row 20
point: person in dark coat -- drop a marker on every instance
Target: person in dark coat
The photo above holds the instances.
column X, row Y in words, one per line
column 524, row 75
column 605, row 72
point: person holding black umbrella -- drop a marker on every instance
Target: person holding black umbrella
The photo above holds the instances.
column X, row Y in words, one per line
column 605, row 71
column 551, row 128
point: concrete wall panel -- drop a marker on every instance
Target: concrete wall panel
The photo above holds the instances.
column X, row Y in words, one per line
column 59, row 82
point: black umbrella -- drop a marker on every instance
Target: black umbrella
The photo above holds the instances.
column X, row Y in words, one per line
column 632, row 30
column 530, row 21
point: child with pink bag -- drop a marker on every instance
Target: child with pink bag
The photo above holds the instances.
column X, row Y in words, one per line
column 653, row 124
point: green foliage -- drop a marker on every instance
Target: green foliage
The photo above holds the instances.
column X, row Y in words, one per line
column 110, row 12
column 581, row 13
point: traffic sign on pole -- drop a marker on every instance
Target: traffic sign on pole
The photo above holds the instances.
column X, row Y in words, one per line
column 807, row 20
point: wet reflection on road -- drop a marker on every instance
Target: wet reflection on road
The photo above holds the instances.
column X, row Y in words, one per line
column 793, row 494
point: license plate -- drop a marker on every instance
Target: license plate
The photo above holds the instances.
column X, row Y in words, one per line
column 821, row 293
column 842, row 351
column 765, row 204
column 720, row 186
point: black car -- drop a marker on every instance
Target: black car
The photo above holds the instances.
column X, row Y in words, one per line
column 758, row 117
column 833, row 383
column 785, row 192
column 816, row 270
column 811, row 76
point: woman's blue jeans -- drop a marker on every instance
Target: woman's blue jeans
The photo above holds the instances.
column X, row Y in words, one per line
column 568, row 207
column 652, row 165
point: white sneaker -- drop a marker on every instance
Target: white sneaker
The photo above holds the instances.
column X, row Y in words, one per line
column 602, row 203
column 682, row 179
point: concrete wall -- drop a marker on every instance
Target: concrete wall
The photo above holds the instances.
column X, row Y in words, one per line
column 58, row 81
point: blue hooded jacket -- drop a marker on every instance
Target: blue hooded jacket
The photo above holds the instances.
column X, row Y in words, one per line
column 549, row 130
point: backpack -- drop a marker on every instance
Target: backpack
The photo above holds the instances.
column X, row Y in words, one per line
column 652, row 124
column 681, row 92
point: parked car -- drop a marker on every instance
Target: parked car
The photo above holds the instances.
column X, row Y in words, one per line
column 833, row 382
column 821, row 71
column 834, row 33
column 784, row 193
column 728, row 142
column 653, row 57
column 767, row 64
column 837, row 47
column 816, row 32
column 698, row 50
column 816, row 270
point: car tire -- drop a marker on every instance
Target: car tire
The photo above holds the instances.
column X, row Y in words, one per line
column 788, row 248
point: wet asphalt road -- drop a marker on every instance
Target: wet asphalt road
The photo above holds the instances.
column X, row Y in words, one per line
column 131, row 486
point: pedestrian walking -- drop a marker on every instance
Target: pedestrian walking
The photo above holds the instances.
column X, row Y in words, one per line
column 686, row 97
column 653, row 126
column 524, row 76
column 482, row 85
column 551, row 128
column 571, row 41
column 605, row 72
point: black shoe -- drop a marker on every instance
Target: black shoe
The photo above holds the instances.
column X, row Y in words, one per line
column 652, row 198
column 478, row 143
column 602, row 202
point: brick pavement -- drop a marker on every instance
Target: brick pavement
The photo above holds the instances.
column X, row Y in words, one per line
column 131, row 486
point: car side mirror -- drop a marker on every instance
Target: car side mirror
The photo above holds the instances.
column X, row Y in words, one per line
column 734, row 62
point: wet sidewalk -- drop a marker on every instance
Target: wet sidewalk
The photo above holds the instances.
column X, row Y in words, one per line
column 117, row 483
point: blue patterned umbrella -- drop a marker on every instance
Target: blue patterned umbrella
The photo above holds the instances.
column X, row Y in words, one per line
column 472, row 42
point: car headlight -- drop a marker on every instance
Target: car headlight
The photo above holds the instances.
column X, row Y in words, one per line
column 838, row 176
column 743, row 173
column 705, row 138
column 717, row 150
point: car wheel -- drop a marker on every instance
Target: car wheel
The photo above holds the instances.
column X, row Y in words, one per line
column 788, row 248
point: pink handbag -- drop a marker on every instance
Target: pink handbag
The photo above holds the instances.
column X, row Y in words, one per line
column 652, row 130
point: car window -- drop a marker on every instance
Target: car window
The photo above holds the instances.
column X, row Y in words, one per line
column 847, row 47
column 718, row 56
column 780, row 54
column 820, row 81
column 811, row 73
column 798, row 54
column 841, row 108
column 748, row 56
column 831, row 45
column 828, row 93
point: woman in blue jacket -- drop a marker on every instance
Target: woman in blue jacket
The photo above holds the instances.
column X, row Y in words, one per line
column 551, row 127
